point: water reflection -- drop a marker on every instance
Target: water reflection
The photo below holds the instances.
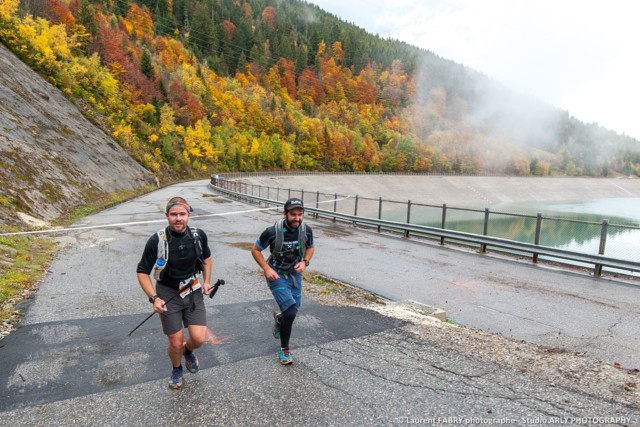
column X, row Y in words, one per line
column 575, row 226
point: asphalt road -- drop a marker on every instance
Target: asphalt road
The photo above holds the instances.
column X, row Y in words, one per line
column 72, row 363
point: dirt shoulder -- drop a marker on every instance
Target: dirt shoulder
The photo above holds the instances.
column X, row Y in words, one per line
column 560, row 368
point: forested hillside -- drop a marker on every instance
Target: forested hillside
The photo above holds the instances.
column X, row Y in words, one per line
column 190, row 87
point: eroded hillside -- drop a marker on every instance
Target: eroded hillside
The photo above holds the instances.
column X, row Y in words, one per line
column 51, row 157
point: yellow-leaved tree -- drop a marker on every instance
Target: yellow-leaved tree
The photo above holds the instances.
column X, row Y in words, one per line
column 167, row 120
column 49, row 45
column 197, row 142
column 286, row 156
column 8, row 8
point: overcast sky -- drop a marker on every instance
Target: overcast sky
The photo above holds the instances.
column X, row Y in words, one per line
column 579, row 55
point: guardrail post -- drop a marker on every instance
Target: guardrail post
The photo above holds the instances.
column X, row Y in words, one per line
column 355, row 209
column 379, row 211
column 406, row 232
column 483, row 247
column 278, row 193
column 335, row 204
column 536, row 237
column 302, row 195
column 444, row 221
column 603, row 241
column 289, row 196
column 317, row 202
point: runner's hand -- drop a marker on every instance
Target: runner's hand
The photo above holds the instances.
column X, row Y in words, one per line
column 300, row 267
column 158, row 306
column 271, row 274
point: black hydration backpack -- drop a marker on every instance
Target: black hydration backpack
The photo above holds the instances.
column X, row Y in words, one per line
column 163, row 252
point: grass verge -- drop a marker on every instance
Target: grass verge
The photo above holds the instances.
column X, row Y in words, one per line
column 24, row 261
column 325, row 290
column 25, row 258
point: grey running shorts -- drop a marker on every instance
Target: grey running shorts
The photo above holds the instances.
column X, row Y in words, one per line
column 179, row 312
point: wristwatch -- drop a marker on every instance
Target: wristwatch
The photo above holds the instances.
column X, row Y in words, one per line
column 153, row 298
column 306, row 261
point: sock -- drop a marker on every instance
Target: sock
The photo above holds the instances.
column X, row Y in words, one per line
column 187, row 351
column 178, row 367
column 286, row 323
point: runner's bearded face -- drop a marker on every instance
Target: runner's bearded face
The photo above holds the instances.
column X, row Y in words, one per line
column 178, row 218
column 294, row 217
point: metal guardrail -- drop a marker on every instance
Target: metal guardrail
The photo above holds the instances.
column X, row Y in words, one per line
column 483, row 241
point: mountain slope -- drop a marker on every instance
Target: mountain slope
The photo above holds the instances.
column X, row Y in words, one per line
column 191, row 87
column 52, row 158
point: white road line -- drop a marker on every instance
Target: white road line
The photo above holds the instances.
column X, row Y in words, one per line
column 153, row 221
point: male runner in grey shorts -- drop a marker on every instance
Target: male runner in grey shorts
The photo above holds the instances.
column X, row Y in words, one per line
column 178, row 296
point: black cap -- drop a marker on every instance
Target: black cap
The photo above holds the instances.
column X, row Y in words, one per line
column 292, row 204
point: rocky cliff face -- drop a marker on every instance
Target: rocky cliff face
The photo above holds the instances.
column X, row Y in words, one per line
column 51, row 157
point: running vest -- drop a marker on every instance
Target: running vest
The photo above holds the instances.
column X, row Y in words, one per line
column 302, row 239
column 163, row 252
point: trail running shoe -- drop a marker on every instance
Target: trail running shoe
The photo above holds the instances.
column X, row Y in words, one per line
column 276, row 325
column 191, row 362
column 285, row 356
column 175, row 382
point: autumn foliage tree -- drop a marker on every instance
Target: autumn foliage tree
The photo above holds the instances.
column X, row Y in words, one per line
column 193, row 86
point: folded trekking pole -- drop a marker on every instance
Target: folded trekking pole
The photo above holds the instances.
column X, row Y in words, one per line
column 214, row 289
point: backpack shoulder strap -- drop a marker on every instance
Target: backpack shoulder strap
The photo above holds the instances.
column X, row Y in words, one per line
column 163, row 245
column 197, row 241
column 277, row 248
column 302, row 239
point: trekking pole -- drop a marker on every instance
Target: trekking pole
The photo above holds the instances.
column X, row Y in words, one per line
column 215, row 287
column 165, row 303
column 214, row 290
column 149, row 316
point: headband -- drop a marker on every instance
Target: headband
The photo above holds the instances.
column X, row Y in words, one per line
column 183, row 204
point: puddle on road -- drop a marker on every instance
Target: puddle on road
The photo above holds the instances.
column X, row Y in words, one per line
column 241, row 245
column 334, row 231
column 216, row 198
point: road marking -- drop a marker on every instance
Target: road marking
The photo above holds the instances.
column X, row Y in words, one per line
column 120, row 224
